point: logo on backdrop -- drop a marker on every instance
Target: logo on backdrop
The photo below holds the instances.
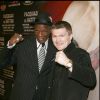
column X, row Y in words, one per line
column 28, row 2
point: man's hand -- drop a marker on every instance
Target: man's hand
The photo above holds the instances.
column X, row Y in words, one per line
column 61, row 58
column 15, row 39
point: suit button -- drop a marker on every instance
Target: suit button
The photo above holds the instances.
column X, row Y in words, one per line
column 49, row 87
column 36, row 87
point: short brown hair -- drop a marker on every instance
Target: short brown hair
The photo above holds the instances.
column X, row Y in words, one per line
column 62, row 24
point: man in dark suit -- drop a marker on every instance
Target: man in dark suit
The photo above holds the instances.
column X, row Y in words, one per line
column 72, row 74
column 30, row 83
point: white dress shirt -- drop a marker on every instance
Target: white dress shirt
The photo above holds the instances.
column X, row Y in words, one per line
column 40, row 45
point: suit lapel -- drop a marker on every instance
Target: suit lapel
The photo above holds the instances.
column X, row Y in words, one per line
column 32, row 52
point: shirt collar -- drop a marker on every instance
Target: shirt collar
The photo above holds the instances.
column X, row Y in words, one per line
column 38, row 44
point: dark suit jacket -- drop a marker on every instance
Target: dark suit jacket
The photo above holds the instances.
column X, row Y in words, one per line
column 75, row 85
column 28, row 80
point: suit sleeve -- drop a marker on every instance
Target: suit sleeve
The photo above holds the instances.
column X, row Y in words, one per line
column 83, row 71
column 6, row 56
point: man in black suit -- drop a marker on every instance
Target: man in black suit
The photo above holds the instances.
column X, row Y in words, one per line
column 72, row 74
column 30, row 83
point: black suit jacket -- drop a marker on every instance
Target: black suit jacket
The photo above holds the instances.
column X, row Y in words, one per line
column 75, row 85
column 28, row 80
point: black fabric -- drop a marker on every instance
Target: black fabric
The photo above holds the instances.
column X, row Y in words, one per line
column 29, row 83
column 75, row 85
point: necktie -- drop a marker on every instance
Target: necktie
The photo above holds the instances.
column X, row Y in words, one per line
column 41, row 57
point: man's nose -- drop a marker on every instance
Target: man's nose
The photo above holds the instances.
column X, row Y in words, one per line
column 40, row 33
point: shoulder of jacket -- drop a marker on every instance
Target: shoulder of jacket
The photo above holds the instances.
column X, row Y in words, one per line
column 82, row 51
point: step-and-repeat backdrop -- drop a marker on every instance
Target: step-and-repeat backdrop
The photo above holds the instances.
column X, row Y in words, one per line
column 16, row 16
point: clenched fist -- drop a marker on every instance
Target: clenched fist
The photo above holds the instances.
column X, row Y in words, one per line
column 15, row 39
column 61, row 58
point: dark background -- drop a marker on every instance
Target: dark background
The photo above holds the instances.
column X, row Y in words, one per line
column 15, row 17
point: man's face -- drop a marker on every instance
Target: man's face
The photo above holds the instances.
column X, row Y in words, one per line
column 41, row 32
column 61, row 38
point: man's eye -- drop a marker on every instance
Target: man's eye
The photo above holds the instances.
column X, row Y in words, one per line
column 36, row 31
column 53, row 36
column 61, row 35
column 40, row 31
